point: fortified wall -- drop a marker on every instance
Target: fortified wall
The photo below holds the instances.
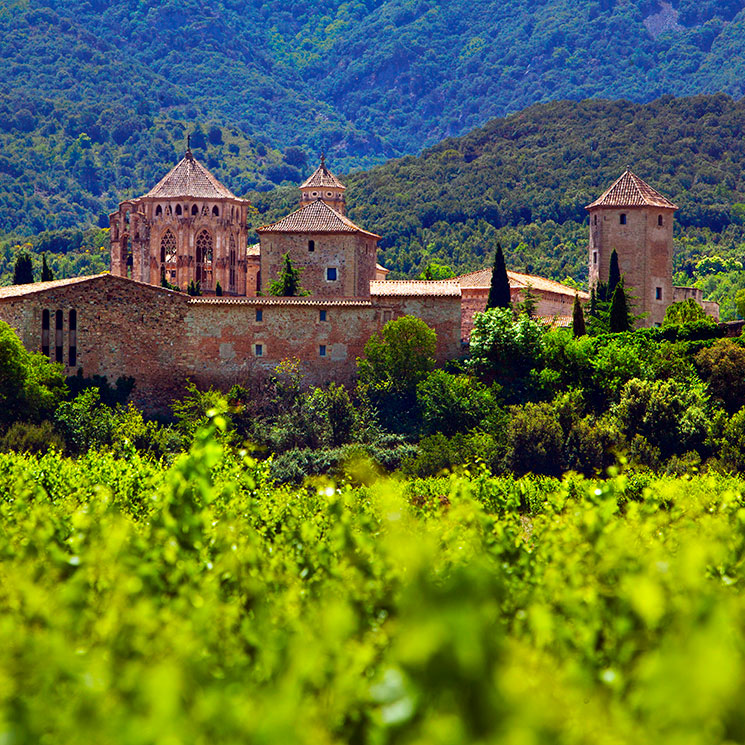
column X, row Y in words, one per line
column 115, row 326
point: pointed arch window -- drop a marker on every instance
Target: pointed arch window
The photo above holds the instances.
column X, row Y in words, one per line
column 204, row 260
column 158, row 211
column 216, row 211
column 178, row 210
column 168, row 249
column 233, row 249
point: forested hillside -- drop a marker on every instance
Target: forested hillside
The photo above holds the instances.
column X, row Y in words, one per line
column 523, row 180
column 366, row 80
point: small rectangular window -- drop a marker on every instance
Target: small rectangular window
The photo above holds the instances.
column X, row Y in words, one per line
column 387, row 315
column 322, row 350
column 658, row 293
column 331, row 274
column 259, row 315
column 73, row 339
column 259, row 350
column 595, row 257
column 321, row 315
column 623, row 219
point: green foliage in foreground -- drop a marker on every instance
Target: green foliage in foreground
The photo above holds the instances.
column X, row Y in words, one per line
column 201, row 604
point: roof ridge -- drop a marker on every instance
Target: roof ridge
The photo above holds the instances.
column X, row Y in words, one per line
column 183, row 180
column 629, row 190
column 316, row 213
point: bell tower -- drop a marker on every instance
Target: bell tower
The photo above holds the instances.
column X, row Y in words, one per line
column 637, row 221
column 325, row 186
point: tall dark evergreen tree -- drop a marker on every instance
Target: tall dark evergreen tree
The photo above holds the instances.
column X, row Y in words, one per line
column 288, row 282
column 23, row 272
column 593, row 311
column 47, row 275
column 499, row 292
column 578, row 318
column 619, row 311
column 218, row 290
column 614, row 274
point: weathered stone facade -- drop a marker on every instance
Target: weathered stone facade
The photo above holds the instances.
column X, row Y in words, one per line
column 637, row 222
column 115, row 326
column 188, row 228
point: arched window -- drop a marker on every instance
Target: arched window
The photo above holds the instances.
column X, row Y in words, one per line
column 45, row 333
column 622, row 218
column 178, row 210
column 659, row 220
column 194, row 210
column 158, row 211
column 231, row 264
column 204, row 260
column 216, row 211
column 168, row 248
column 58, row 336
column 126, row 218
column 72, row 356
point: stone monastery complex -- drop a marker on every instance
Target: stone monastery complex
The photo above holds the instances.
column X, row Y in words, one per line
column 191, row 228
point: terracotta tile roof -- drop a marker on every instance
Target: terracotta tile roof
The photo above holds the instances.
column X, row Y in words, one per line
column 415, row 288
column 314, row 217
column 381, row 268
column 190, row 179
column 30, row 289
column 631, row 191
column 322, row 178
column 482, row 280
column 272, row 300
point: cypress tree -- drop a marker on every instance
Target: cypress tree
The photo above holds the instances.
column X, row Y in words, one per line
column 593, row 311
column 47, row 275
column 578, row 318
column 288, row 282
column 23, row 271
column 499, row 292
column 619, row 311
column 218, row 290
column 614, row 274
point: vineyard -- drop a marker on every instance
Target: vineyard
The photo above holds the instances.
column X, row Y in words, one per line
column 199, row 602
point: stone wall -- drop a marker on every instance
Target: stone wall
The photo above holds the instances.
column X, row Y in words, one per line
column 643, row 239
column 352, row 255
column 161, row 338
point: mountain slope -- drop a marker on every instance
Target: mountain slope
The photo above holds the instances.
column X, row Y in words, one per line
column 367, row 79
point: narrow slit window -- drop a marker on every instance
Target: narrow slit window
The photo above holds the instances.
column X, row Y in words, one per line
column 660, row 221
column 658, row 293
column 259, row 315
column 623, row 218
column 321, row 315
column 73, row 339
column 58, row 336
column 595, row 258
column 45, row 333
column 311, row 246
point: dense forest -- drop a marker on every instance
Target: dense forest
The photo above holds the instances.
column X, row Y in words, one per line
column 367, row 79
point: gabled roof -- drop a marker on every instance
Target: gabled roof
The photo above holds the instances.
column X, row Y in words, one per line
column 190, row 179
column 322, row 178
column 482, row 280
column 415, row 288
column 314, row 217
column 631, row 191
